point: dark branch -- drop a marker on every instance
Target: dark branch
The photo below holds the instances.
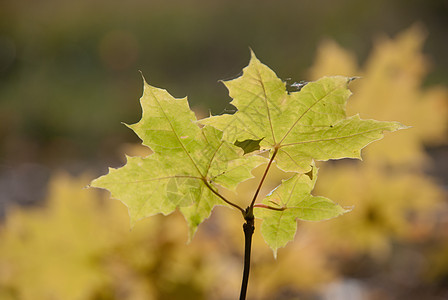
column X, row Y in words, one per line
column 248, row 228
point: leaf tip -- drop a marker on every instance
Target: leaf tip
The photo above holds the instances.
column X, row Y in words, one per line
column 191, row 232
column 274, row 252
column 143, row 77
column 253, row 57
column 395, row 126
column 132, row 223
column 130, row 126
column 94, row 182
column 353, row 78
column 347, row 209
column 252, row 53
column 402, row 126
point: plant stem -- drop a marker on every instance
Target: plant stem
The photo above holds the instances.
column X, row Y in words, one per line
column 269, row 207
column 263, row 178
column 222, row 197
column 248, row 228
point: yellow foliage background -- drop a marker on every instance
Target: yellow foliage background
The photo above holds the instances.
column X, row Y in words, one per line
column 78, row 244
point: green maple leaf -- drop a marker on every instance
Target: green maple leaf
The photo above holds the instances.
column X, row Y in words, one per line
column 292, row 200
column 187, row 165
column 299, row 127
column 190, row 160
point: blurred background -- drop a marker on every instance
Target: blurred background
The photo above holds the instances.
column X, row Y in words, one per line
column 69, row 77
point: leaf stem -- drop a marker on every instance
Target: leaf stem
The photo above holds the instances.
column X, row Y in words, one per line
column 269, row 207
column 264, row 177
column 248, row 228
column 223, row 198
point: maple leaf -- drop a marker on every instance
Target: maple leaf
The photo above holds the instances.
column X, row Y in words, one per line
column 187, row 165
column 391, row 89
column 292, row 200
column 299, row 127
column 192, row 158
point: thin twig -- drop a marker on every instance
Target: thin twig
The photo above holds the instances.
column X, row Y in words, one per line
column 269, row 207
column 222, row 197
column 263, row 178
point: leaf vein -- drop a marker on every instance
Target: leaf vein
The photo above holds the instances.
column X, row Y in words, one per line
column 176, row 135
column 307, row 110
